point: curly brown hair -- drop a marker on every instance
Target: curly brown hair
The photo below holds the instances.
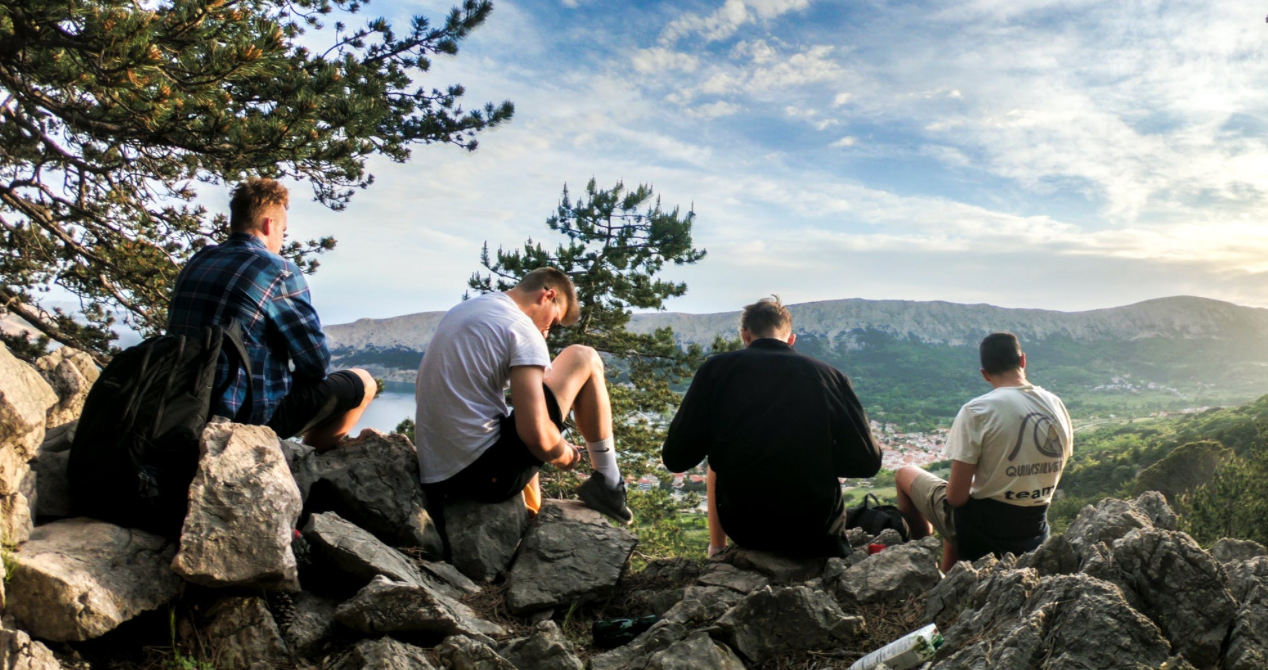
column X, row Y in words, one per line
column 251, row 199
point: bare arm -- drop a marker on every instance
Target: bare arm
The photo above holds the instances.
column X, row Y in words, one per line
column 961, row 482
column 532, row 421
column 717, row 536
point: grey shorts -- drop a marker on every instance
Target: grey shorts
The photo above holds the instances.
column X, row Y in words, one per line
column 929, row 495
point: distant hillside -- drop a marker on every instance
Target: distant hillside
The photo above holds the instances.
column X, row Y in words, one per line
column 917, row 361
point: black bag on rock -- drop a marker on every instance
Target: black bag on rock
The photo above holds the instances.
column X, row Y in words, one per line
column 136, row 445
column 873, row 517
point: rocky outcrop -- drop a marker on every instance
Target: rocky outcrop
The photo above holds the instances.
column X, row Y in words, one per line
column 243, row 505
column 372, row 481
column 569, row 554
column 483, row 537
column 771, row 623
column 354, row 555
column 545, row 649
column 380, row 654
column 397, row 608
column 25, row 399
column 78, row 579
column 463, row 653
column 311, row 624
column 70, row 373
column 243, row 636
column 19, row 652
column 893, row 575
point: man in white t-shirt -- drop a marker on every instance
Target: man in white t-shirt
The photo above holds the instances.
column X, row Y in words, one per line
column 1007, row 450
column 470, row 444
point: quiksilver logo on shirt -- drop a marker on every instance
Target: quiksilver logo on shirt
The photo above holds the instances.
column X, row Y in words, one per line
column 1044, row 434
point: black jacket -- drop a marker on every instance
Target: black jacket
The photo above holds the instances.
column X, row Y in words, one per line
column 779, row 428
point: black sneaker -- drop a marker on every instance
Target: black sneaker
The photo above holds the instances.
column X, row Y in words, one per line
column 595, row 493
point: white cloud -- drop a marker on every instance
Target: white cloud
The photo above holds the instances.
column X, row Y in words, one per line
column 846, row 141
column 841, row 99
column 714, row 110
column 727, row 19
column 657, row 60
column 826, row 124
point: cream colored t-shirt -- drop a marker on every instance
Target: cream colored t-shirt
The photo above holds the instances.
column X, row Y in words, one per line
column 1020, row 438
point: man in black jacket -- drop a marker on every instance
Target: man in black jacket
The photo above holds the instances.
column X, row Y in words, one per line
column 778, row 429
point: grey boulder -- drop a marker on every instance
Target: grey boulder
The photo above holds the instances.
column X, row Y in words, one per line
column 24, row 401
column 356, row 555
column 78, row 579
column 71, row 373
column 697, row 651
column 372, row 481
column 700, row 606
column 545, row 649
column 483, row 536
column 728, row 576
column 780, row 569
column 463, row 653
column 243, row 506
column 1248, row 642
column 19, row 652
column 385, row 606
column 311, row 624
column 52, row 500
column 242, row 635
column 777, row 621
column 1229, row 550
column 895, row 574
column 1111, row 519
column 569, row 554
column 380, row 654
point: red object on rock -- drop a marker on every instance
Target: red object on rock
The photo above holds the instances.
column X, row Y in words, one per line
column 875, row 549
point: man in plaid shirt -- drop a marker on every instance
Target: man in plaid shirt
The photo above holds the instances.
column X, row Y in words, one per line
column 246, row 279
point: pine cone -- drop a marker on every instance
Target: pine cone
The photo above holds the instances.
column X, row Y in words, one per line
column 282, row 605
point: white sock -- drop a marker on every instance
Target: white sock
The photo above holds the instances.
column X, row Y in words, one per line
column 603, row 460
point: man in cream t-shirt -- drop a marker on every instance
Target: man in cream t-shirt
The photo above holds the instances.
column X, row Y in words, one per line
column 470, row 443
column 1007, row 450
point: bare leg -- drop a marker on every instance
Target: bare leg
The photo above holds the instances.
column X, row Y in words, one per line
column 919, row 525
column 328, row 434
column 949, row 557
column 717, row 536
column 577, row 380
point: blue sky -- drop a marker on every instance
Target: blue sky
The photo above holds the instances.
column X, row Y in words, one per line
column 1026, row 153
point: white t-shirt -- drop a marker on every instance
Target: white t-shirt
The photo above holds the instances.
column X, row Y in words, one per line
column 1020, row 438
column 462, row 382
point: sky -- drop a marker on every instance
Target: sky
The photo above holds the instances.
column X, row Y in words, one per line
column 1024, row 153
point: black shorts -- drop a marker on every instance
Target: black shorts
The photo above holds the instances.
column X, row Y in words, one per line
column 506, row 467
column 310, row 404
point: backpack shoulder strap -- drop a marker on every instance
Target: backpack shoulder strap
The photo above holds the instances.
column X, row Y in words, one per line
column 232, row 334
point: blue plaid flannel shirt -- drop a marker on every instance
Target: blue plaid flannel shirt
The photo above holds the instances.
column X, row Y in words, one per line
column 268, row 295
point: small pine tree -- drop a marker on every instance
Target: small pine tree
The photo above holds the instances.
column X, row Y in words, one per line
column 617, row 242
column 1234, row 502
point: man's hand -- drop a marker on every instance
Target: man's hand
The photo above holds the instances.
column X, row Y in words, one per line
column 569, row 459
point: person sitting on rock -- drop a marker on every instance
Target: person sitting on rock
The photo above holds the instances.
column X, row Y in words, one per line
column 1007, row 450
column 778, row 429
column 246, row 279
column 470, row 444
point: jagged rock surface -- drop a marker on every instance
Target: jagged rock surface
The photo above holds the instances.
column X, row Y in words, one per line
column 895, row 574
column 463, row 653
column 70, row 373
column 25, row 399
column 19, row 652
column 483, row 537
column 545, row 649
column 355, row 554
column 311, row 625
column 372, row 481
column 384, row 606
column 52, row 500
column 381, row 654
column 243, row 636
column 569, row 554
column 782, row 620
column 78, row 579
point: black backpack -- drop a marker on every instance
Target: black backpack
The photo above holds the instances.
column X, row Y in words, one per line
column 136, row 447
column 873, row 517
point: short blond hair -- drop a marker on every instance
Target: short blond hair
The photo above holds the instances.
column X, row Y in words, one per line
column 554, row 278
column 766, row 317
column 251, row 201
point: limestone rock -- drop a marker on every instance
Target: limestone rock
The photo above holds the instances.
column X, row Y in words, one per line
column 52, row 500
column 1244, row 576
column 652, row 601
column 892, row 575
column 445, row 578
column 700, row 606
column 60, row 438
column 569, row 554
column 385, row 606
column 19, row 652
column 483, row 537
column 1181, row 588
column 1229, row 550
column 312, row 624
column 243, row 636
column 381, row 654
column 24, row 402
column 243, row 505
column 372, row 481
column 1248, row 642
column 671, row 571
column 888, row 537
column 1155, row 508
column 77, row 579
column 1109, row 520
column 1068, row 621
column 545, row 649
column 356, row 554
column 1056, row 556
column 463, row 653
column 71, row 373
column 696, row 652
column 945, row 601
column 731, row 577
column 776, row 621
column 782, row 570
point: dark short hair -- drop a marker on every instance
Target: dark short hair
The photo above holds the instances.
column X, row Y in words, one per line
column 766, row 317
column 1000, row 352
column 554, row 278
column 251, row 199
